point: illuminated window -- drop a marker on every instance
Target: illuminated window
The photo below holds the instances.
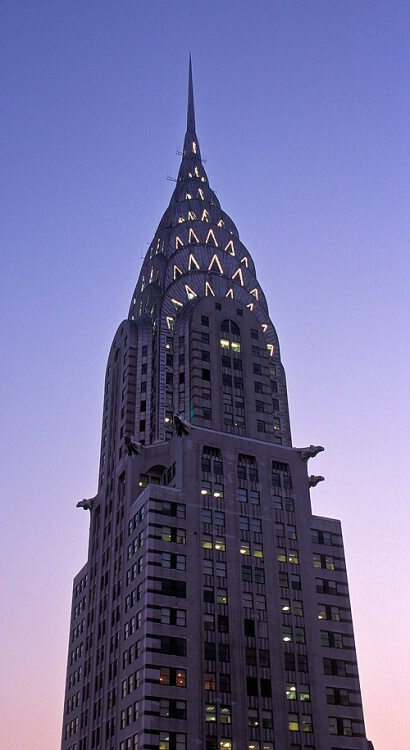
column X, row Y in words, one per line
column 291, row 691
column 225, row 715
column 245, row 548
column 209, row 290
column 239, row 274
column 293, row 722
column 286, row 633
column 192, row 237
column 253, row 717
column 254, row 293
column 210, row 710
column 210, row 682
column 192, row 263
column 230, row 248
column 293, row 557
column 304, row 693
column 177, row 304
column 229, row 293
column 281, row 554
column 191, row 216
column 210, row 236
column 190, row 292
column 224, row 343
column 235, row 346
column 215, row 262
column 205, row 215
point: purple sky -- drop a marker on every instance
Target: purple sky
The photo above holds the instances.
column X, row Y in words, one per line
column 303, row 113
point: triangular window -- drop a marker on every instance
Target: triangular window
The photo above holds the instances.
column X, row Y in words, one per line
column 255, row 293
column 176, row 304
column 215, row 262
column 170, row 323
column 245, row 260
column 229, row 293
column 190, row 292
column 250, row 306
column 193, row 263
column 209, row 290
column 238, row 273
column 212, row 236
column 192, row 237
column 177, row 272
column 230, row 248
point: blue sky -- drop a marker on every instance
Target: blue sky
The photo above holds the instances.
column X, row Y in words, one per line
column 302, row 112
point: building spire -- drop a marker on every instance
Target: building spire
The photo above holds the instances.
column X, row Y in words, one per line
column 190, row 124
column 191, row 147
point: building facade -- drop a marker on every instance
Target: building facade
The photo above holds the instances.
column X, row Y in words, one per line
column 213, row 611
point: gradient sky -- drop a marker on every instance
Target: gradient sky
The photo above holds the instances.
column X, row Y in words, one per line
column 303, row 113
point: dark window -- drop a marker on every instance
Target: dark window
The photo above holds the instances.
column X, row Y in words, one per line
column 223, row 624
column 252, row 686
column 224, row 683
column 223, row 652
column 210, row 651
column 206, row 374
column 204, row 320
column 266, row 688
column 249, row 628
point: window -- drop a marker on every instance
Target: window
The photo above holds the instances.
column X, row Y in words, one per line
column 210, row 681
column 172, row 676
column 206, row 374
column 293, row 722
column 247, row 599
column 220, row 569
column 291, row 693
column 221, row 596
column 172, row 741
column 204, row 320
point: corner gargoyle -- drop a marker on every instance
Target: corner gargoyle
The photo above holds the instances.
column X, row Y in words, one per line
column 181, row 426
column 84, row 504
column 131, row 445
column 310, row 452
column 314, row 480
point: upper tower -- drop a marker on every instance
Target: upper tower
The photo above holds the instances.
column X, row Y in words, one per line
column 229, row 377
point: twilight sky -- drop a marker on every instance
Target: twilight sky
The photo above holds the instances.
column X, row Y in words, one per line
column 303, row 114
